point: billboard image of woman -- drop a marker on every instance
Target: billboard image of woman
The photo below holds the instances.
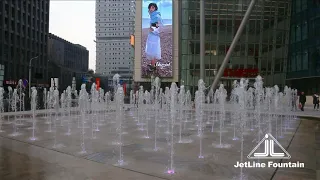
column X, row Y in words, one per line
column 157, row 38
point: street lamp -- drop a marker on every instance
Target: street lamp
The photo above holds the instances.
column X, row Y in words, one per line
column 30, row 61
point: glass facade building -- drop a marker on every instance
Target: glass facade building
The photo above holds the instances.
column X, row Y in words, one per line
column 304, row 53
column 24, row 28
column 263, row 44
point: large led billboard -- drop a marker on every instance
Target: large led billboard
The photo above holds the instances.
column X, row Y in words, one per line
column 157, row 40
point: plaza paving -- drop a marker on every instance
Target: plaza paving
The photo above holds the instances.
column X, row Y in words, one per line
column 22, row 159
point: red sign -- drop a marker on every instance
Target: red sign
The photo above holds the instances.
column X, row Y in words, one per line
column 124, row 88
column 241, row 73
column 98, row 83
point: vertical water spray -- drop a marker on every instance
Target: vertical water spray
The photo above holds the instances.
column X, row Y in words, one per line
column 173, row 103
column 188, row 106
column 9, row 102
column 181, row 99
column 94, row 104
column 221, row 96
column 1, row 108
column 147, row 113
column 241, row 93
column 156, row 110
column 282, row 116
column 56, row 107
column 295, row 98
column 50, row 101
column 276, row 106
column 75, row 101
column 23, row 102
column 199, row 98
column 119, row 117
column 63, row 104
column 258, row 94
column 208, row 109
column 83, row 103
column 167, row 109
column 68, row 107
column 45, row 104
column 215, row 109
column 20, row 89
column 288, row 107
column 234, row 101
column 101, row 107
column 131, row 98
column 136, row 105
column 140, row 107
column 15, row 99
column 250, row 102
column 116, row 83
column 268, row 100
column 107, row 102
column 33, row 109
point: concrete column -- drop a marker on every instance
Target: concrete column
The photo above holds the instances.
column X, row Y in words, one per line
column 202, row 39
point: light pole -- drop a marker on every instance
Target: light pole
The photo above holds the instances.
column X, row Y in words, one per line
column 30, row 61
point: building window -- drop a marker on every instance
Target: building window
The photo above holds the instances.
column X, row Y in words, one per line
column 298, row 61
column 305, row 61
column 298, row 5
column 298, row 33
column 293, row 63
column 304, row 31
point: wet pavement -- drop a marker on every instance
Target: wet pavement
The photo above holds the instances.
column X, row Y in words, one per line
column 22, row 159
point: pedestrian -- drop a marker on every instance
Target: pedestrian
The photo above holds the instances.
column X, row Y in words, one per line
column 302, row 101
column 316, row 102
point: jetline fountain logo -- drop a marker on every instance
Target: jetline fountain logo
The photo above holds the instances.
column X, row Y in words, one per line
column 269, row 154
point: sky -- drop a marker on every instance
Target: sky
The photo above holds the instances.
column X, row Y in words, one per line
column 74, row 21
column 164, row 7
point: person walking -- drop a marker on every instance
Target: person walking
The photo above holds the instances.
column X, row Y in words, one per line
column 302, row 101
column 316, row 102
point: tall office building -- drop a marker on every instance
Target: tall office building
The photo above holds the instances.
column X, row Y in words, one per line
column 263, row 46
column 304, row 52
column 67, row 60
column 114, row 26
column 24, row 27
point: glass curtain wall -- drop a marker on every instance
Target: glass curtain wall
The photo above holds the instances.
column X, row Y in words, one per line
column 304, row 52
column 263, row 44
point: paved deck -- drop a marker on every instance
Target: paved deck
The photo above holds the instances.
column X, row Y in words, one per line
column 22, row 159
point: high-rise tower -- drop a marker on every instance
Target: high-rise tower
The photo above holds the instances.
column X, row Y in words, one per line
column 114, row 25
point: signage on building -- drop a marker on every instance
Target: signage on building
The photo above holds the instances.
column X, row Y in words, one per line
column 157, row 58
column 240, row 73
column 14, row 82
column 10, row 82
column 132, row 40
column 124, row 88
column 98, row 83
